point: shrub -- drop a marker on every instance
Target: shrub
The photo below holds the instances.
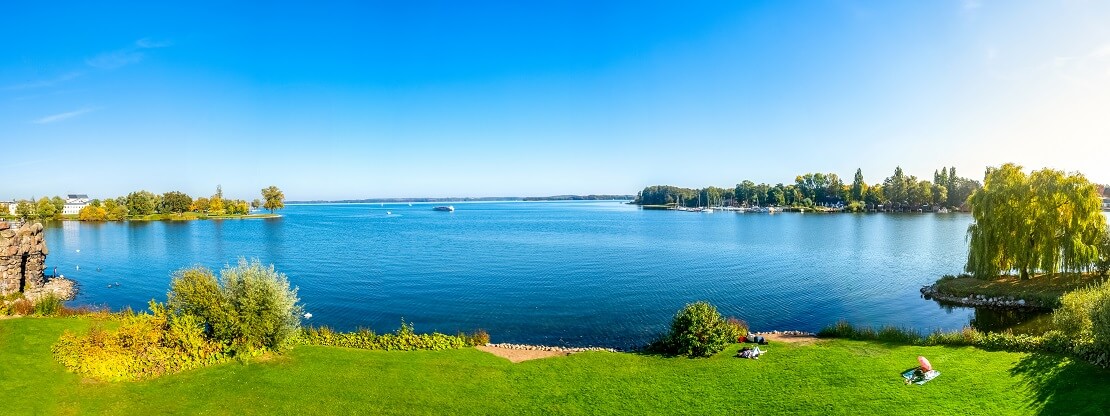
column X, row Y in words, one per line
column 1073, row 317
column 479, row 337
column 48, row 305
column 22, row 306
column 144, row 346
column 698, row 331
column 250, row 308
column 1084, row 317
column 404, row 339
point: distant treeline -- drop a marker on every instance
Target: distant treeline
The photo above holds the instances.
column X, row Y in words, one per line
column 897, row 192
column 473, row 199
column 141, row 204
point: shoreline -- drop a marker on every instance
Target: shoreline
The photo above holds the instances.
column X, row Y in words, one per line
column 930, row 292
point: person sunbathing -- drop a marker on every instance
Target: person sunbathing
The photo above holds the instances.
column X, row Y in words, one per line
column 752, row 353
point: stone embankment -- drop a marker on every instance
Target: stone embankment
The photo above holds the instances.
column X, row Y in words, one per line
column 550, row 348
column 999, row 302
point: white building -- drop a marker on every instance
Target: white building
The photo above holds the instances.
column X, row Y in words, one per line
column 74, row 203
column 11, row 206
column 1106, row 203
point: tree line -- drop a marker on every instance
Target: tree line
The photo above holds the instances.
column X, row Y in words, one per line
column 897, row 192
column 143, row 203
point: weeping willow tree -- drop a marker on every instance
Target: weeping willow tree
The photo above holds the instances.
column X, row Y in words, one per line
column 1046, row 222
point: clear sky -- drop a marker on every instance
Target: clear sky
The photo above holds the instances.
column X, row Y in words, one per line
column 416, row 98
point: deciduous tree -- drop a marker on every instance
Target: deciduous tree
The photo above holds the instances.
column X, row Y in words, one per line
column 275, row 199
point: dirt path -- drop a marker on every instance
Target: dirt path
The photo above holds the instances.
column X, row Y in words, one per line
column 517, row 356
column 792, row 339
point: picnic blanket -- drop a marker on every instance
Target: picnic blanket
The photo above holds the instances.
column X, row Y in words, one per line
column 929, row 375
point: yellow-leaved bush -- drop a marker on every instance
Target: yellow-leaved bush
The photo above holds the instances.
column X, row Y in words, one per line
column 143, row 346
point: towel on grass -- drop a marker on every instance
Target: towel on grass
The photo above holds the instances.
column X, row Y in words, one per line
column 929, row 375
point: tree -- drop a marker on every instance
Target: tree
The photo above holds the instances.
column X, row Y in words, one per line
column 59, row 204
column 26, row 210
column 176, row 202
column 894, row 187
column 116, row 212
column 92, row 213
column 45, row 209
column 859, row 187
column 1046, row 221
column 275, row 199
column 200, row 204
column 256, row 204
column 140, row 203
column 216, row 203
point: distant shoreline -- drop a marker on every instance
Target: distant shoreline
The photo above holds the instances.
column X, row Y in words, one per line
column 471, row 199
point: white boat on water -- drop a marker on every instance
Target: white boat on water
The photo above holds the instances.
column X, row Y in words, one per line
column 446, row 208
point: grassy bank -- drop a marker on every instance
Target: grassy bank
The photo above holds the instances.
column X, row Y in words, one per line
column 1044, row 290
column 830, row 377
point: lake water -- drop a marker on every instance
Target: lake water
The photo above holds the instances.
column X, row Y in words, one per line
column 565, row 273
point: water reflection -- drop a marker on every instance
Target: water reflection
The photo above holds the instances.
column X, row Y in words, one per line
column 1019, row 321
column 1030, row 322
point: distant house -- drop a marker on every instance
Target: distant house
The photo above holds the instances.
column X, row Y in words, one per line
column 74, row 203
column 11, row 206
column 1106, row 203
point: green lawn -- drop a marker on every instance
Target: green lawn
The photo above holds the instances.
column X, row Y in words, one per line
column 833, row 377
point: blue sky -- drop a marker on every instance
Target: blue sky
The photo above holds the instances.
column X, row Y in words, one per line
column 356, row 100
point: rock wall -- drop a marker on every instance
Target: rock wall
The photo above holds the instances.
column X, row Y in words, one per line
column 22, row 258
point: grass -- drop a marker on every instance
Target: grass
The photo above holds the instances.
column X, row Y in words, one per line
column 1044, row 290
column 831, row 377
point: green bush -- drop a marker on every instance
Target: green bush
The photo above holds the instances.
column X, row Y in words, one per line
column 144, row 346
column 48, row 305
column 1084, row 318
column 698, row 331
column 404, row 339
column 250, row 308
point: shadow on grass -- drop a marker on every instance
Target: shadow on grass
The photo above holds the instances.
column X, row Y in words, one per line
column 1063, row 385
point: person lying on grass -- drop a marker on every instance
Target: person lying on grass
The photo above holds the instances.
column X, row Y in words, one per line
column 752, row 353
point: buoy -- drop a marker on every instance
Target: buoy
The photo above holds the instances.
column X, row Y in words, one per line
column 307, row 315
column 78, row 250
column 388, row 213
column 78, row 267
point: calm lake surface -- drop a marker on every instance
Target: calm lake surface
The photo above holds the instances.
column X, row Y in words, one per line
column 565, row 273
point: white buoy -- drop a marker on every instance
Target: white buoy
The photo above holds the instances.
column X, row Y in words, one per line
column 307, row 315
column 78, row 267
column 388, row 213
column 78, row 250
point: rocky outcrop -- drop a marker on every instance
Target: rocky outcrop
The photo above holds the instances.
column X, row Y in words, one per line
column 997, row 302
column 22, row 260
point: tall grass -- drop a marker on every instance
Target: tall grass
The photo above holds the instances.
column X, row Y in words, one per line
column 1052, row 341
